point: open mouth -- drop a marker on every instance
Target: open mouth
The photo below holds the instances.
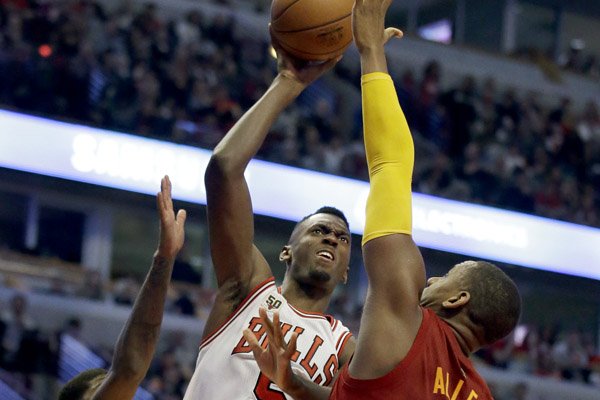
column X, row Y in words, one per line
column 326, row 254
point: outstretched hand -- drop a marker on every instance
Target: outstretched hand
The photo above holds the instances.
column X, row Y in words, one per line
column 368, row 25
column 301, row 71
column 275, row 360
column 172, row 234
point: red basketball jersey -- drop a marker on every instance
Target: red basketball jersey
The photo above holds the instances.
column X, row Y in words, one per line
column 435, row 368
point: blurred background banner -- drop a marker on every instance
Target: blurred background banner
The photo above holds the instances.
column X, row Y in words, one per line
column 132, row 163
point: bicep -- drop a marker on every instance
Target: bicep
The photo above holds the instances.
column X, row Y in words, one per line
column 391, row 315
column 395, row 270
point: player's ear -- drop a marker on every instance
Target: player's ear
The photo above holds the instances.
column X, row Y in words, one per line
column 286, row 253
column 457, row 301
column 345, row 276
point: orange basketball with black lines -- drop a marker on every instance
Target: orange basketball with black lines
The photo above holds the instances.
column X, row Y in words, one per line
column 313, row 30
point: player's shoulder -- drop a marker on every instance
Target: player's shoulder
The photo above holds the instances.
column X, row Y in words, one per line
column 229, row 306
column 337, row 325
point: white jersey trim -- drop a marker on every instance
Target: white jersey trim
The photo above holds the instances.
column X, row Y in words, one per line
column 341, row 344
column 257, row 291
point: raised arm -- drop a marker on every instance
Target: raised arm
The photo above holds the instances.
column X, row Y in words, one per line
column 393, row 262
column 238, row 265
column 136, row 344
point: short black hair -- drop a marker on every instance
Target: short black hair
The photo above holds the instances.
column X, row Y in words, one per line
column 495, row 303
column 327, row 210
column 76, row 387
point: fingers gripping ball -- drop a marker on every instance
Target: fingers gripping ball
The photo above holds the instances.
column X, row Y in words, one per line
column 314, row 30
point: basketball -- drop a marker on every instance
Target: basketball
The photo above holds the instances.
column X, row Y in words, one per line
column 312, row 30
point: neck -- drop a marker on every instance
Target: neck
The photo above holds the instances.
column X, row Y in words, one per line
column 467, row 334
column 306, row 296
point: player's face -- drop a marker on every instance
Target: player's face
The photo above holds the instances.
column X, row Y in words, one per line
column 319, row 251
column 440, row 289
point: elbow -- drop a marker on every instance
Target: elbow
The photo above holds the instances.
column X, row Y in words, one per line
column 220, row 167
column 216, row 170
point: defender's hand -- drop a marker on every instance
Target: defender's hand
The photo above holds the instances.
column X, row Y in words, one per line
column 275, row 360
column 368, row 24
column 172, row 234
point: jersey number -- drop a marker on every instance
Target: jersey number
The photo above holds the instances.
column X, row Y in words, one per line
column 263, row 390
column 273, row 302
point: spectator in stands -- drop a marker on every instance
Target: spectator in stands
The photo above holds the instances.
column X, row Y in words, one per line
column 170, row 373
column 460, row 105
column 405, row 87
column 93, row 287
column 313, row 156
column 571, row 357
column 19, row 341
column 73, row 329
column 588, row 129
column 16, row 325
column 333, row 155
column 184, row 353
column 478, row 174
column 437, row 175
column 184, row 305
column 521, row 392
column 125, row 290
column 545, row 365
column 573, row 58
column 430, row 118
column 517, row 193
column 595, row 368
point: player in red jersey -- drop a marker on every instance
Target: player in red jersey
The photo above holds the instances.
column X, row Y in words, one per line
column 415, row 336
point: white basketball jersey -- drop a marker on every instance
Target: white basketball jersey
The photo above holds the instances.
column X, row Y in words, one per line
column 226, row 368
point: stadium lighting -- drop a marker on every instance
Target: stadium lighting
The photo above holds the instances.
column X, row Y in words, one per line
column 136, row 164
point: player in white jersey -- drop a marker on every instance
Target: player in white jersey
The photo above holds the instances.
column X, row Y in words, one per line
column 316, row 258
column 321, row 342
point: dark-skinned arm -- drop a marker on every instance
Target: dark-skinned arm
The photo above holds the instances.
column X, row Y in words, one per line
column 137, row 341
column 392, row 260
column 239, row 266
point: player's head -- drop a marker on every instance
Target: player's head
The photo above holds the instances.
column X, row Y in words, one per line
column 318, row 251
column 83, row 386
column 482, row 292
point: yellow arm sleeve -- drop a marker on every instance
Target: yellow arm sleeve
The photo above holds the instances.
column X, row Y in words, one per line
column 390, row 158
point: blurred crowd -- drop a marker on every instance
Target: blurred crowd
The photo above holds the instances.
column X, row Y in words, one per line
column 578, row 59
column 32, row 360
column 548, row 351
column 189, row 79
